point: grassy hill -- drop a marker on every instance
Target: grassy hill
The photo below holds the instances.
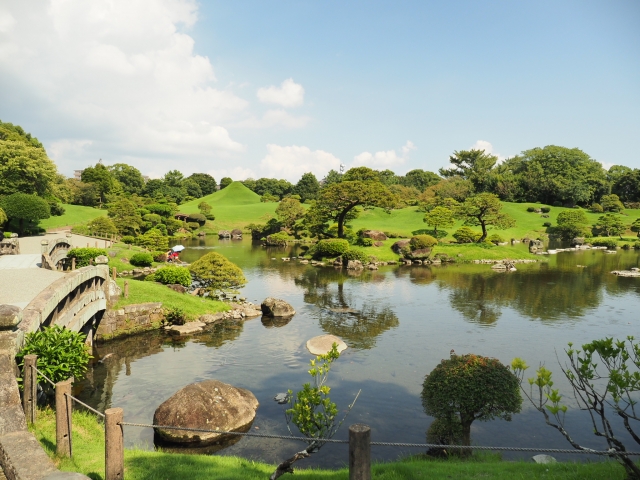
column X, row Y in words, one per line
column 73, row 215
column 234, row 207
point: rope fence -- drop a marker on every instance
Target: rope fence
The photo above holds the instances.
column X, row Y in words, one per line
column 359, row 435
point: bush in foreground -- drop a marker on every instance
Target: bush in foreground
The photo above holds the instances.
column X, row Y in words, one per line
column 171, row 276
column 333, row 247
column 83, row 256
column 141, row 260
column 215, row 272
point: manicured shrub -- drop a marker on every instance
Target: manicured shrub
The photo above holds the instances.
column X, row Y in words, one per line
column 596, row 208
column 210, row 216
column 392, row 234
column 141, row 259
column 152, row 218
column 171, row 276
column 545, row 209
column 84, row 255
column 365, row 242
column 355, row 255
column 278, row 239
column 56, row 209
column 610, row 243
column 215, row 272
column 153, row 240
column 61, row 353
column 128, row 239
column 466, row 235
column 198, row 218
column 531, row 209
column 162, row 209
column 495, row 239
column 193, row 225
column 422, row 241
column 102, row 226
column 333, row 247
column 546, row 224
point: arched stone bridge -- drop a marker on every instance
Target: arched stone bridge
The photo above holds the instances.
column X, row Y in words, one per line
column 54, row 252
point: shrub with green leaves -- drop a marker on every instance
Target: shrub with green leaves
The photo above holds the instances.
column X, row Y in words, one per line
column 545, row 209
column 84, row 255
column 153, row 240
column 596, row 208
column 193, row 225
column 171, row 276
column 141, row 259
column 175, row 316
column 278, row 239
column 163, row 209
column 198, row 218
column 128, row 239
column 333, row 247
column 61, row 353
column 610, row 243
column 466, row 235
column 365, row 242
column 355, row 255
column 422, row 241
column 216, row 272
column 159, row 256
column 531, row 209
column 495, row 239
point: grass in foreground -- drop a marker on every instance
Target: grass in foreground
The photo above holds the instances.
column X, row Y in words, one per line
column 143, row 292
column 73, row 215
column 88, row 458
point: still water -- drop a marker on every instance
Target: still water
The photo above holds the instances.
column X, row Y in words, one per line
column 398, row 322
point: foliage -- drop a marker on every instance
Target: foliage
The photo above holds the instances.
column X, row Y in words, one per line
column 205, row 181
column 171, row 276
column 307, row 187
column 153, row 240
column 159, row 256
column 141, row 259
column 337, row 200
column 483, row 210
column 215, row 272
column 610, row 224
column 439, row 217
column 61, row 353
column 175, row 316
column 605, row 380
column 55, row 208
column 125, row 217
column 596, row 208
column 103, row 180
column 466, row 235
column 545, row 209
column 83, row 255
column 573, row 223
column 635, row 226
column 611, row 203
column 225, row 182
column 355, row 255
column 610, row 243
column 419, row 179
column 267, row 197
column 102, row 225
column 204, row 208
column 163, row 209
column 24, row 208
column 3, row 217
column 128, row 239
column 468, row 388
column 332, row 247
column 365, row 242
column 422, row 241
column 198, row 218
column 531, row 209
column 445, row 432
column 495, row 239
column 278, row 239
column 129, row 178
column 473, row 165
column 289, row 210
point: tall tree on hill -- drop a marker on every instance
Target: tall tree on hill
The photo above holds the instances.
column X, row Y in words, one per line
column 225, row 182
column 419, row 179
column 104, row 181
column 473, row 165
column 362, row 174
column 337, row 200
column 307, row 187
column 332, row 177
column 129, row 177
column 484, row 210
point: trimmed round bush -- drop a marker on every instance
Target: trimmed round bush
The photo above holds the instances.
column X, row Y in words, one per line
column 466, row 235
column 216, row 272
column 355, row 255
column 153, row 240
column 422, row 241
column 84, row 255
column 210, row 216
column 495, row 239
column 596, row 208
column 128, row 239
column 171, row 276
column 610, row 243
column 365, row 242
column 531, row 209
column 141, row 260
column 193, row 225
column 333, row 247
column 546, row 224
column 278, row 239
column 545, row 209
column 198, row 218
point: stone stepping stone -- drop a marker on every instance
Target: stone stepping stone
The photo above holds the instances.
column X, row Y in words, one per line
column 322, row 344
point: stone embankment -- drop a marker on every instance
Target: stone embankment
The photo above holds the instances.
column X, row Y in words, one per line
column 634, row 272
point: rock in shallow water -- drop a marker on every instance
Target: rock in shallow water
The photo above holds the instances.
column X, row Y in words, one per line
column 322, row 344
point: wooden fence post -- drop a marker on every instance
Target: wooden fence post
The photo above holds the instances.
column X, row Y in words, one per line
column 113, row 444
column 64, row 407
column 30, row 382
column 359, row 452
column 126, row 289
column 73, row 263
column 114, row 273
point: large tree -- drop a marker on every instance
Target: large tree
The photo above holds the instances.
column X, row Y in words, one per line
column 573, row 223
column 307, row 187
column 104, row 180
column 289, row 210
column 129, row 177
column 439, row 217
column 484, row 210
column 207, row 182
column 419, row 179
column 337, row 200
column 25, row 208
column 611, row 224
column 473, row 165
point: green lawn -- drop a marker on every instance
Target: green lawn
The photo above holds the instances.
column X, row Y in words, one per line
column 143, row 292
column 234, row 207
column 88, row 458
column 73, row 215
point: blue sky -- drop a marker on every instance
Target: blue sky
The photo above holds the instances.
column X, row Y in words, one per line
column 259, row 88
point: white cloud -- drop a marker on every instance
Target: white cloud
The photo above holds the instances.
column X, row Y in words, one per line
column 274, row 118
column 235, row 173
column 292, row 161
column 384, row 159
column 288, row 94
column 488, row 148
column 119, row 77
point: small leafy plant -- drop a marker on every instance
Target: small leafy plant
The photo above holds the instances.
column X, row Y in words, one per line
column 61, row 353
column 141, row 260
column 175, row 316
column 312, row 411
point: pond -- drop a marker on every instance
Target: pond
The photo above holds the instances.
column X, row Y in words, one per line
column 398, row 321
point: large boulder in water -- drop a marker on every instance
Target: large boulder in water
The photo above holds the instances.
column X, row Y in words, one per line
column 274, row 307
column 209, row 405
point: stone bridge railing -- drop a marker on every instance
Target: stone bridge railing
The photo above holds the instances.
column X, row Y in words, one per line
column 54, row 252
column 77, row 302
column 9, row 246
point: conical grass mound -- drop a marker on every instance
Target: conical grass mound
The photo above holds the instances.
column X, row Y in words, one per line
column 235, row 194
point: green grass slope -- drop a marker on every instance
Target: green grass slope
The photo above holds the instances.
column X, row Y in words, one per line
column 234, row 207
column 73, row 215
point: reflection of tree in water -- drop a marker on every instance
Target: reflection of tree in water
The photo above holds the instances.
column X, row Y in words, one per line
column 474, row 304
column 220, row 333
column 340, row 315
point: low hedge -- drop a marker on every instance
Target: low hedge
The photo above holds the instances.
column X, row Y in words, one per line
column 84, row 255
column 355, row 255
column 171, row 276
column 333, row 247
column 141, row 260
